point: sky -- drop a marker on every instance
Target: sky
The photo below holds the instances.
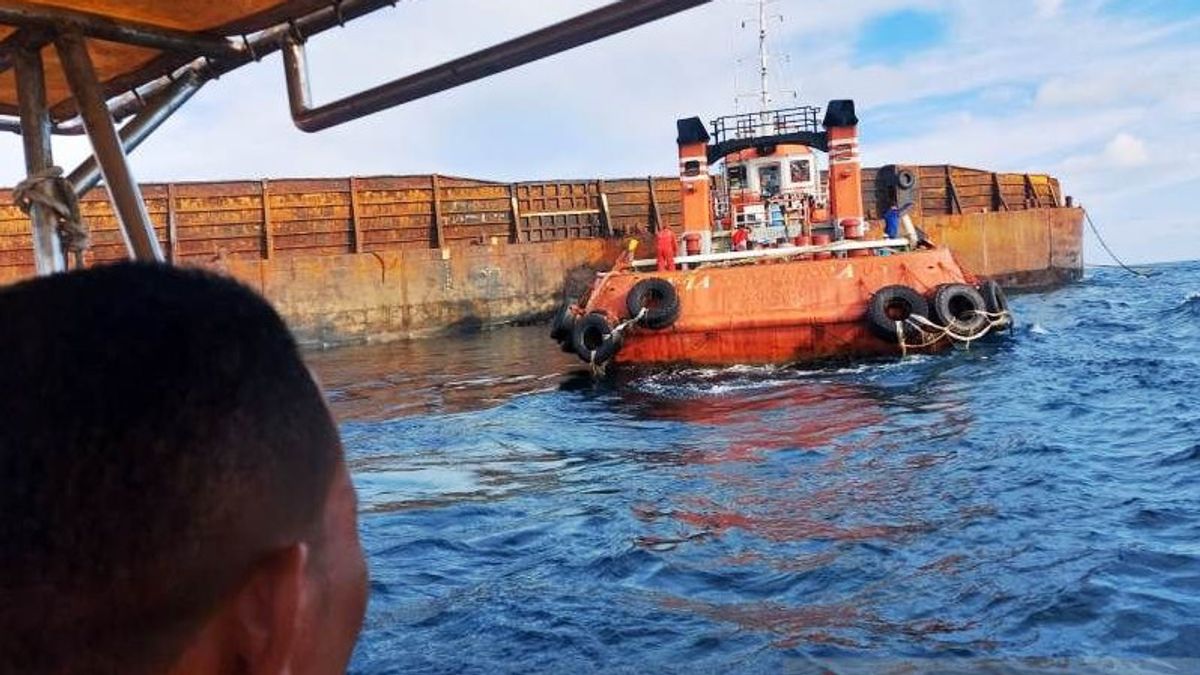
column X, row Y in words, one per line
column 1103, row 94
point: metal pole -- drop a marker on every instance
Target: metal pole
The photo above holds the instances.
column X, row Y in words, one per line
column 764, row 90
column 87, row 175
column 580, row 30
column 35, row 135
column 123, row 190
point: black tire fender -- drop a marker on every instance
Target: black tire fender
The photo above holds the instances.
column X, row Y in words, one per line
column 563, row 323
column 660, row 300
column 995, row 301
column 594, row 340
column 960, row 308
column 895, row 303
column 905, row 179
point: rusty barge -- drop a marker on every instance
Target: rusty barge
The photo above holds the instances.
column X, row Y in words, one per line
column 385, row 257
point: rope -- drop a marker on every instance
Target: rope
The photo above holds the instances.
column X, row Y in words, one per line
column 49, row 189
column 1119, row 262
column 620, row 328
column 616, row 332
column 933, row 333
column 900, row 339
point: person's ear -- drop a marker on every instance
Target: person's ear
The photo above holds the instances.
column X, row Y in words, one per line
column 268, row 611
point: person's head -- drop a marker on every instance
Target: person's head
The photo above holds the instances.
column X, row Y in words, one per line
column 173, row 495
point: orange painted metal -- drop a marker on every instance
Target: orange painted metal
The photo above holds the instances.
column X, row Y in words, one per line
column 772, row 312
column 694, row 185
column 845, row 173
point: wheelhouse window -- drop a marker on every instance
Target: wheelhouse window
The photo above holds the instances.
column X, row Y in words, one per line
column 801, row 171
column 768, row 179
column 737, row 176
column 691, row 168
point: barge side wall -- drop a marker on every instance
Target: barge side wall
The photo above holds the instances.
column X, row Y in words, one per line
column 383, row 257
column 390, row 295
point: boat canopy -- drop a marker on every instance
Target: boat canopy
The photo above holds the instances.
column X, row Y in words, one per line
column 148, row 38
column 78, row 66
column 134, row 44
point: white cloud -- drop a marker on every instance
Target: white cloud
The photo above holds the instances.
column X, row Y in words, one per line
column 1126, row 150
column 1048, row 8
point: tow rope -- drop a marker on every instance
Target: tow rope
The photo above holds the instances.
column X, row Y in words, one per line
column 1127, row 268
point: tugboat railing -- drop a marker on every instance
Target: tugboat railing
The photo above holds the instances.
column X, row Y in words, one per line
column 781, row 252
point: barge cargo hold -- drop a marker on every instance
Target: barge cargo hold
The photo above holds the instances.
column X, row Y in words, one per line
column 378, row 258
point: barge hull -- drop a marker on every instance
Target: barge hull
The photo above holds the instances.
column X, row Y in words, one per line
column 384, row 257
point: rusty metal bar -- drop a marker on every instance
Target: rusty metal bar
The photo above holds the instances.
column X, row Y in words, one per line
column 21, row 39
column 439, row 237
column 39, row 156
column 1037, row 200
column 605, row 216
column 87, row 175
column 655, row 216
column 999, row 193
column 268, row 237
column 515, row 211
column 355, row 215
column 952, row 192
column 580, row 30
column 123, row 190
column 172, row 226
column 25, row 14
column 569, row 212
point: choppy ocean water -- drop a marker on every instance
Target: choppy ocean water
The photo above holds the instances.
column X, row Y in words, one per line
column 1033, row 504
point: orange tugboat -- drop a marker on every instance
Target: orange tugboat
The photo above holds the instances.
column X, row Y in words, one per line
column 811, row 287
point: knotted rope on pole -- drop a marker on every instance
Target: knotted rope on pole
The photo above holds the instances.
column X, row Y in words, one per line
column 55, row 193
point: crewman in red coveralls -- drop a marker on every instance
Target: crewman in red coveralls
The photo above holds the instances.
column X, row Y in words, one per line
column 739, row 238
column 667, row 248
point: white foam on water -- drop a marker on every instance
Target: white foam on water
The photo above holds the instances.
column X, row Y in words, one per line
column 715, row 382
column 1037, row 329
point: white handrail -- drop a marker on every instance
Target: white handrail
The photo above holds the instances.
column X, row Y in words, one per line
column 781, row 252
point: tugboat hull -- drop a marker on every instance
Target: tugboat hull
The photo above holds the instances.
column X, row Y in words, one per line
column 771, row 312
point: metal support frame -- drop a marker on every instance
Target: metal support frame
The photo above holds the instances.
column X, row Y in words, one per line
column 87, row 175
column 585, row 28
column 20, row 13
column 35, row 135
column 123, row 190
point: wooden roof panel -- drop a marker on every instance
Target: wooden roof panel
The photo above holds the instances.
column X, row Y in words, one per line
column 131, row 65
column 190, row 15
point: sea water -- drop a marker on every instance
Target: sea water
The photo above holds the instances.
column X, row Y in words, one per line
column 1028, row 504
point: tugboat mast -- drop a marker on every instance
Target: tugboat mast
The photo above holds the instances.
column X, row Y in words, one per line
column 764, row 90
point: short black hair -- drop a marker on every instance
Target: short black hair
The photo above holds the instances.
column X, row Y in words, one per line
column 159, row 433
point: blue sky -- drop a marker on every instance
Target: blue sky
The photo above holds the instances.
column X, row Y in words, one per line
column 1103, row 94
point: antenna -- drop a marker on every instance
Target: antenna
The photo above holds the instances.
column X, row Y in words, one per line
column 764, row 91
column 764, row 85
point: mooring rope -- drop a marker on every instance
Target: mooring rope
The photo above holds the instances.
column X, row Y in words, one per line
column 49, row 189
column 900, row 339
column 1119, row 262
column 616, row 332
column 933, row 333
